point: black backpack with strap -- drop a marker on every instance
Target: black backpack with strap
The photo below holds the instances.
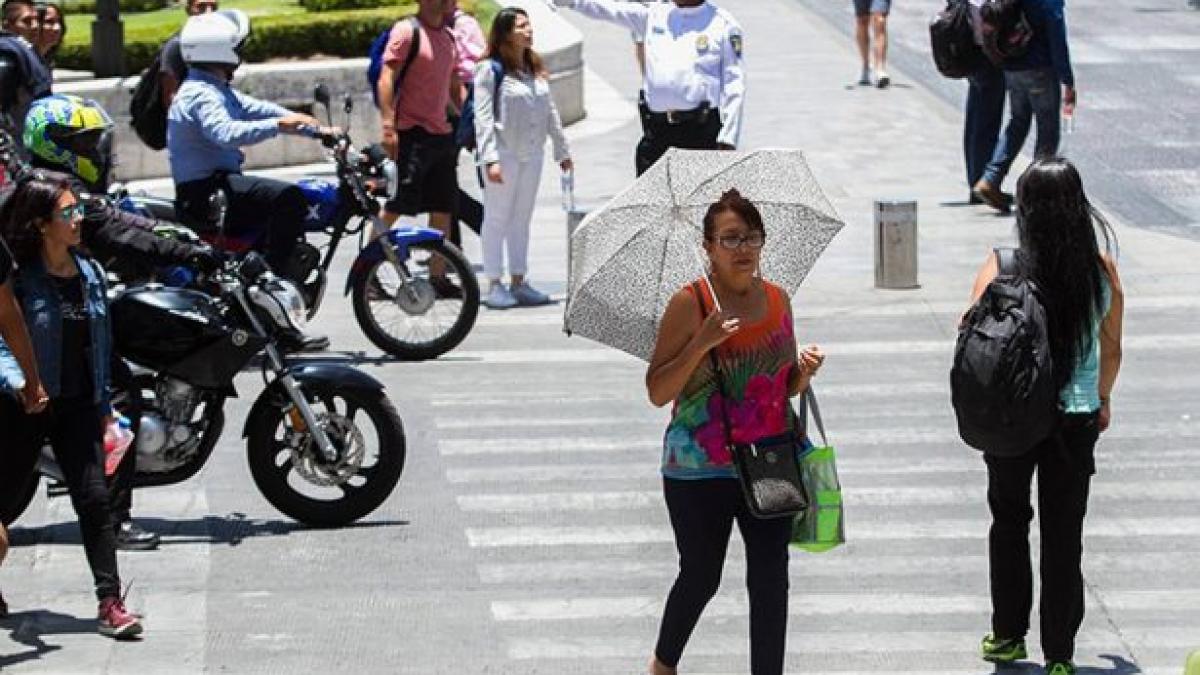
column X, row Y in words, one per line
column 148, row 116
column 952, row 41
column 1006, row 31
column 1002, row 383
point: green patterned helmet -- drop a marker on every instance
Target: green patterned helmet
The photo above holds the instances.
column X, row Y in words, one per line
column 73, row 134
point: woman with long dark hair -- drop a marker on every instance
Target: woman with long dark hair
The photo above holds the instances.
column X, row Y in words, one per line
column 1059, row 251
column 513, row 118
column 753, row 340
column 63, row 298
column 52, row 33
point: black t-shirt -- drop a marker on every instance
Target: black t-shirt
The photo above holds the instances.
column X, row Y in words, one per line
column 75, row 378
column 6, row 263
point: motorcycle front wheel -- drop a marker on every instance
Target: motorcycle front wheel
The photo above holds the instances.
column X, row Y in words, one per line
column 424, row 309
column 290, row 472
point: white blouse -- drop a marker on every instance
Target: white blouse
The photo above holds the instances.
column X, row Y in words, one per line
column 527, row 116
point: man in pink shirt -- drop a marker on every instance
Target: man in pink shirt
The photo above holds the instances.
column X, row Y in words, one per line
column 416, row 130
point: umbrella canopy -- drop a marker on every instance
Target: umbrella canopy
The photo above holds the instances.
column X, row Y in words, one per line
column 632, row 255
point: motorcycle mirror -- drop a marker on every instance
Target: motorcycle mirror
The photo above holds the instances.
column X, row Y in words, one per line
column 322, row 96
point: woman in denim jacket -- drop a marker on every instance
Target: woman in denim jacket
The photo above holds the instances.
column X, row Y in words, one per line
column 62, row 294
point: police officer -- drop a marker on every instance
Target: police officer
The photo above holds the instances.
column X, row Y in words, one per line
column 693, row 75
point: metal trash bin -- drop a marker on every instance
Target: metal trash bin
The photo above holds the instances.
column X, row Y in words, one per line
column 896, row 244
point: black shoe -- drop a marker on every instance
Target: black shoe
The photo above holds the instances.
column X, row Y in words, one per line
column 130, row 537
column 298, row 341
column 445, row 288
column 975, row 200
column 3, row 608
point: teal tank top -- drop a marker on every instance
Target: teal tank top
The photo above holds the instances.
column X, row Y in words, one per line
column 1082, row 393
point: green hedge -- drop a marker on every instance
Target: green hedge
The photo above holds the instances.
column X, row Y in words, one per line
column 345, row 33
column 127, row 6
column 338, row 5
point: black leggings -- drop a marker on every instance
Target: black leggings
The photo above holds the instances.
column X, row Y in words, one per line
column 702, row 515
column 73, row 428
column 1064, row 466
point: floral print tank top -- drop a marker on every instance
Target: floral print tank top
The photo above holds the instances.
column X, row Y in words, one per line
column 756, row 364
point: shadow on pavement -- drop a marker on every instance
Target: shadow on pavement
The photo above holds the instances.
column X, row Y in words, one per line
column 229, row 530
column 28, row 628
column 1119, row 666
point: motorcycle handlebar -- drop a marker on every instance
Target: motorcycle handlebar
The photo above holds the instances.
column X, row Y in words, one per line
column 329, row 140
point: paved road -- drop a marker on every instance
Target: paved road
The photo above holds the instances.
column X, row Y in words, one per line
column 1138, row 125
column 527, row 535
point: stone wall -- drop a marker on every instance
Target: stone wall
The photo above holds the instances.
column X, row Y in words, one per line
column 291, row 84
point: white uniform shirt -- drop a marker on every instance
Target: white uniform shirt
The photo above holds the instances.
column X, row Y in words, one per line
column 693, row 56
column 527, row 117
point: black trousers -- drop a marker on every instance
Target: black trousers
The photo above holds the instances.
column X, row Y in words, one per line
column 73, row 429
column 659, row 136
column 702, row 515
column 1064, row 465
column 268, row 213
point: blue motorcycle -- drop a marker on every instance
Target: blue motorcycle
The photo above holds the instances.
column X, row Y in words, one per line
column 415, row 295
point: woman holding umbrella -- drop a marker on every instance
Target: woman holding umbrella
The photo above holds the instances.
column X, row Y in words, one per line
column 747, row 321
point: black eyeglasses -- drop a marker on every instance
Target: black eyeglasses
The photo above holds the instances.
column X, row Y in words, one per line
column 753, row 240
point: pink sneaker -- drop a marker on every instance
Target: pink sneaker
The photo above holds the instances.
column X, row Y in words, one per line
column 116, row 621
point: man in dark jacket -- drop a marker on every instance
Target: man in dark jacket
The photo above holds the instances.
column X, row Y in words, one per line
column 1039, row 82
column 24, row 77
column 74, row 136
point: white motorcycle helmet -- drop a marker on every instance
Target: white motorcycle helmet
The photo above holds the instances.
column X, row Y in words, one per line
column 214, row 38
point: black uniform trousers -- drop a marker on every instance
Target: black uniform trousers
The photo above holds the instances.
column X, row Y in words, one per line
column 697, row 132
column 1064, row 464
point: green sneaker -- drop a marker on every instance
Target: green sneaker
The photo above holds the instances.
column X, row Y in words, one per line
column 1060, row 668
column 1002, row 651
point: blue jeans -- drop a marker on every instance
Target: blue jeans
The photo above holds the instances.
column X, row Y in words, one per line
column 985, row 112
column 1031, row 94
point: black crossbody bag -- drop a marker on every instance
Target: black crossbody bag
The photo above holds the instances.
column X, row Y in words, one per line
column 767, row 469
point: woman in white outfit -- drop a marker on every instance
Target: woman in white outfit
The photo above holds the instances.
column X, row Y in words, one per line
column 514, row 114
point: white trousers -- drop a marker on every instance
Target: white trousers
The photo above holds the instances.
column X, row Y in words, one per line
column 507, row 213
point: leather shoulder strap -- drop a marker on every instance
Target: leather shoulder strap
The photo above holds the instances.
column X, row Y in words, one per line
column 1006, row 261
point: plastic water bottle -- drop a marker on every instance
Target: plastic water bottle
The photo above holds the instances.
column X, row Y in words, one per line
column 568, row 190
column 117, row 439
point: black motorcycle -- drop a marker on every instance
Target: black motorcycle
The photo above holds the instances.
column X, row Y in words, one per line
column 324, row 443
column 399, row 303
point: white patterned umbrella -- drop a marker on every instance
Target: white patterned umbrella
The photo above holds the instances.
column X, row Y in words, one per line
column 632, row 255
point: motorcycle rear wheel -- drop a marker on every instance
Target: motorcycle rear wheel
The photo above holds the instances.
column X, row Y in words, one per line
column 417, row 321
column 315, row 493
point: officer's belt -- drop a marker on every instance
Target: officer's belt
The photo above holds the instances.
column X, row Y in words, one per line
column 674, row 117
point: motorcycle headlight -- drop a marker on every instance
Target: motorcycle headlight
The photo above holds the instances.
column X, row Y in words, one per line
column 282, row 301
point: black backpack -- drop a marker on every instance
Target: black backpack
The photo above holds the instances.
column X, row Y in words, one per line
column 952, row 38
column 148, row 116
column 1002, row 383
column 1006, row 31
